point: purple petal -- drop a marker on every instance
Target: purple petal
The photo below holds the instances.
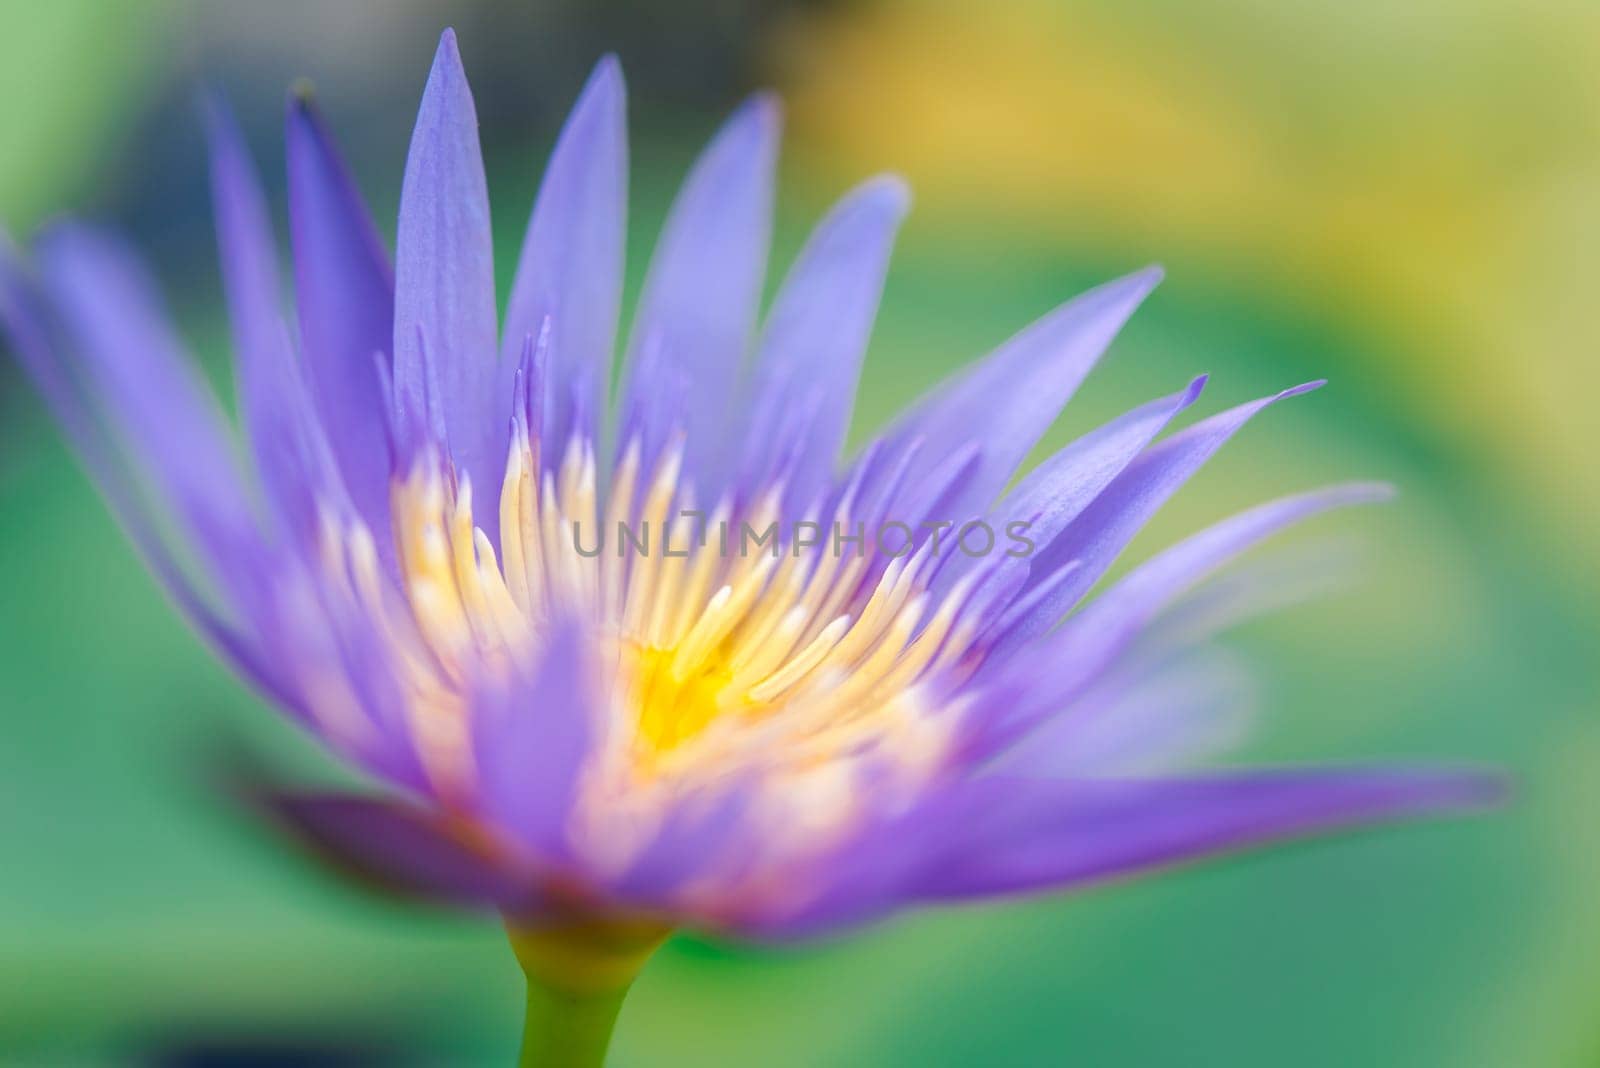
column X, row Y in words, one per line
column 344, row 292
column 1145, row 718
column 1058, row 490
column 179, row 444
column 1255, row 588
column 1008, row 400
column 1003, row 834
column 444, row 324
column 148, row 387
column 1008, row 835
column 1099, row 534
column 291, row 452
column 244, row 241
column 570, row 270
column 325, row 636
column 817, row 331
column 397, row 847
column 1133, row 602
column 25, row 321
column 697, row 839
column 530, row 738
column 1055, row 492
column 698, row 309
column 1051, row 671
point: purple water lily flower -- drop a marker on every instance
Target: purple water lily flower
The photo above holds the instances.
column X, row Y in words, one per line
column 668, row 662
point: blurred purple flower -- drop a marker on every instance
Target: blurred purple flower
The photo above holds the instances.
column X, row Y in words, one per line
column 769, row 742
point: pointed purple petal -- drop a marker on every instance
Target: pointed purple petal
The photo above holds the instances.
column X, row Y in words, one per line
column 700, row 299
column 1134, row 601
column 1011, row 835
column 1100, row 533
column 444, row 324
column 244, row 242
column 1055, row 492
column 570, row 270
column 1059, row 489
column 1051, row 671
column 25, row 321
column 817, row 331
column 148, row 387
column 290, row 449
column 344, row 293
column 1004, row 834
column 1009, row 399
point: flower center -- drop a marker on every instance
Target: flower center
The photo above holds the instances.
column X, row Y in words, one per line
column 675, row 706
column 721, row 659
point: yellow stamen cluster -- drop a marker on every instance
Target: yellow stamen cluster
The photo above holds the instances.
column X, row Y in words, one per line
column 784, row 663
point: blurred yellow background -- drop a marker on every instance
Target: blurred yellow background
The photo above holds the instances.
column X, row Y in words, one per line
column 1402, row 197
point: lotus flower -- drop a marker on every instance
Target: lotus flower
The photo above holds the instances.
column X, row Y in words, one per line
column 670, row 662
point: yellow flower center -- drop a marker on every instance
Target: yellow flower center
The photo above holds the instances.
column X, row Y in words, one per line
column 674, row 707
column 719, row 657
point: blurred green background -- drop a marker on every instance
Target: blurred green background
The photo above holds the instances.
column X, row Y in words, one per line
column 1402, row 197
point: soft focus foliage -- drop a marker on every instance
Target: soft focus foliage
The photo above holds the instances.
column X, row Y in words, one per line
column 1404, row 200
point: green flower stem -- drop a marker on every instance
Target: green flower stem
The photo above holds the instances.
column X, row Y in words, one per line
column 578, row 974
column 564, row 1029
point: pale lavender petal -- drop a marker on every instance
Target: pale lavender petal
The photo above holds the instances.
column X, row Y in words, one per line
column 325, row 636
column 697, row 838
column 1144, row 718
column 1134, row 601
column 933, row 500
column 1044, row 675
column 26, row 323
column 701, row 295
column 444, row 324
column 1058, row 490
column 939, row 492
column 291, row 451
column 146, row 386
column 1007, row 835
column 1099, row 534
column 863, row 884
column 570, row 270
column 1054, row 493
column 344, row 293
column 530, row 735
column 249, row 261
column 1008, row 400
column 816, row 334
column 1258, row 587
